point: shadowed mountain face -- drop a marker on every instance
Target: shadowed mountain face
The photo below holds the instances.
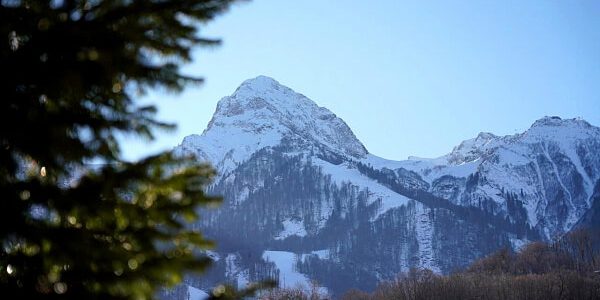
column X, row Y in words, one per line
column 305, row 200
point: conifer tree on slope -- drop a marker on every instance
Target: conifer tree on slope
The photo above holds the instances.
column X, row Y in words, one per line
column 70, row 72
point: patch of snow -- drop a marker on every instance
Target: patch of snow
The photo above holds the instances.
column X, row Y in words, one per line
column 291, row 227
column 212, row 255
column 289, row 277
column 512, row 156
column 320, row 254
column 233, row 271
column 571, row 217
column 243, row 195
column 243, row 279
column 491, row 192
column 428, row 168
column 343, row 173
column 571, row 152
column 424, row 232
column 518, row 244
column 196, row 294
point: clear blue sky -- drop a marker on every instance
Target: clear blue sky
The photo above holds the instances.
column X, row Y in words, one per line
column 410, row 78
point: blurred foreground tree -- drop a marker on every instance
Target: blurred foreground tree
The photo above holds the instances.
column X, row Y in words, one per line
column 70, row 72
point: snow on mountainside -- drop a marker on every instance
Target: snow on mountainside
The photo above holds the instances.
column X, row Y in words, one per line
column 295, row 179
column 261, row 113
column 553, row 163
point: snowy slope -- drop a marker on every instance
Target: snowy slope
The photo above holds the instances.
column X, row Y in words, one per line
column 552, row 160
column 197, row 294
column 289, row 277
column 261, row 113
column 296, row 179
column 552, row 163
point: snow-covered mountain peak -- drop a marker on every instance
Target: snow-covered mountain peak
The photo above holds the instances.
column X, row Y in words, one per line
column 555, row 121
column 263, row 113
column 263, row 96
column 314, row 187
column 559, row 131
column 485, row 136
column 566, row 132
column 472, row 149
column 260, row 83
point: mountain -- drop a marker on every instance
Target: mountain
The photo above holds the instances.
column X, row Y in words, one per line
column 261, row 113
column 544, row 176
column 304, row 199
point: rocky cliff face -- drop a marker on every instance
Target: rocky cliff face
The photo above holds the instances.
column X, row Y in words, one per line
column 544, row 176
column 304, row 200
column 262, row 113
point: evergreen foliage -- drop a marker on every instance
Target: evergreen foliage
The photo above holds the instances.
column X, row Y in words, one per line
column 71, row 71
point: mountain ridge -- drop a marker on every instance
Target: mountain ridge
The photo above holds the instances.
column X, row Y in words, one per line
column 260, row 113
column 263, row 84
column 295, row 178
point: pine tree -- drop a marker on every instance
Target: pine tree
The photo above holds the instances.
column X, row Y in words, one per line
column 70, row 72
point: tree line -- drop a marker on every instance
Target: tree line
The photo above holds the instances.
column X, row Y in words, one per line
column 568, row 268
column 564, row 269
